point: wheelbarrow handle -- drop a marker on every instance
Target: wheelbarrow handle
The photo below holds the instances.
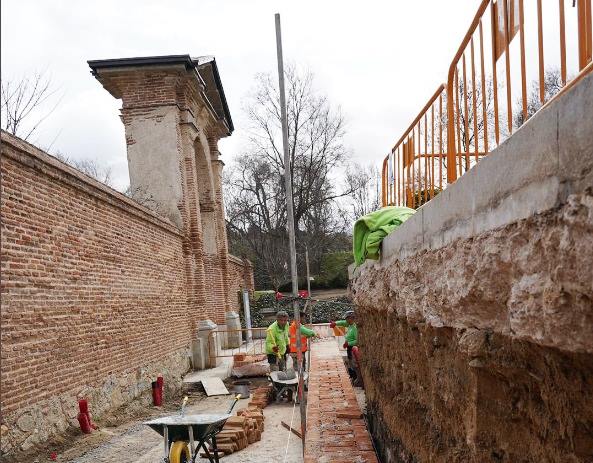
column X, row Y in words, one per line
column 237, row 397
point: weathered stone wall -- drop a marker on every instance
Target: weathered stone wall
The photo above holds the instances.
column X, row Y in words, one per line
column 95, row 300
column 476, row 325
column 461, row 373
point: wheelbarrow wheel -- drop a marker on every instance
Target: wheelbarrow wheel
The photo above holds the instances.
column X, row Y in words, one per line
column 179, row 452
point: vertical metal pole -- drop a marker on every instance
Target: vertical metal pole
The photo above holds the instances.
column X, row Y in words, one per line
column 166, row 441
column 310, row 310
column 247, row 313
column 190, row 431
column 290, row 219
column 308, row 275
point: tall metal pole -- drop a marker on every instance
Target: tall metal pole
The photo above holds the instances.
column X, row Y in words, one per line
column 310, row 305
column 247, row 312
column 308, row 275
column 290, row 220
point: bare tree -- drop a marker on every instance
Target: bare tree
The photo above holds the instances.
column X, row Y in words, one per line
column 22, row 104
column 255, row 196
column 90, row 167
column 553, row 84
column 365, row 184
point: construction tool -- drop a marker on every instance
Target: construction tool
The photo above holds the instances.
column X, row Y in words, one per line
column 282, row 385
column 181, row 432
column 294, row 431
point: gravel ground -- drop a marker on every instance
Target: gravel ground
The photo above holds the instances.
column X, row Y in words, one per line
column 136, row 443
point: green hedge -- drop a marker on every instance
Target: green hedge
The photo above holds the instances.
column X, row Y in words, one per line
column 323, row 312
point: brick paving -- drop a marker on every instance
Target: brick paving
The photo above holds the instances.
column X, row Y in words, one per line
column 336, row 431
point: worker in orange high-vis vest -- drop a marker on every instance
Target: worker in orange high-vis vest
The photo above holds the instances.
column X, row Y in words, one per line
column 306, row 333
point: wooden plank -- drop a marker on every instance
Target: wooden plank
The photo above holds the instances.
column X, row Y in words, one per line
column 214, row 386
column 298, row 434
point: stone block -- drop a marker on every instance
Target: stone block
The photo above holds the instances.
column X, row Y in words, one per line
column 405, row 240
column 26, row 422
column 233, row 337
column 449, row 215
column 198, row 354
column 575, row 134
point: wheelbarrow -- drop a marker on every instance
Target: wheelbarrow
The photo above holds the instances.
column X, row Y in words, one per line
column 181, row 433
column 282, row 386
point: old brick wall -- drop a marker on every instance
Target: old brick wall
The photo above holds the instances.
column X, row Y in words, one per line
column 94, row 296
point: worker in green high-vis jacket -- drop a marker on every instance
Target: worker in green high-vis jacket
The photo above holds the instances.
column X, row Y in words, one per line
column 277, row 341
column 351, row 336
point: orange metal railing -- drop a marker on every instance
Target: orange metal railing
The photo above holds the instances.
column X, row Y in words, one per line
column 415, row 164
column 515, row 57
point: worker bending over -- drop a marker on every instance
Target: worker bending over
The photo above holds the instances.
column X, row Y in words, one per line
column 351, row 336
column 305, row 334
column 277, row 341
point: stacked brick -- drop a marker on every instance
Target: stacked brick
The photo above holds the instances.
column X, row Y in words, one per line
column 260, row 398
column 245, row 428
column 240, row 360
column 336, row 430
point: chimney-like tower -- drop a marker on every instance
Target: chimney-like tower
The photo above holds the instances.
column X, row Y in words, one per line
column 174, row 112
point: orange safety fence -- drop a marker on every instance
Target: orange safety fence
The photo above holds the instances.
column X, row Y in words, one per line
column 414, row 167
column 515, row 57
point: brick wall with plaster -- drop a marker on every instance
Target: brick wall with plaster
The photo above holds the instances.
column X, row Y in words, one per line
column 99, row 293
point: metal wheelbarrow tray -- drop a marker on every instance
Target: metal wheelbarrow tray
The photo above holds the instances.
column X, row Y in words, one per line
column 190, row 429
column 283, row 385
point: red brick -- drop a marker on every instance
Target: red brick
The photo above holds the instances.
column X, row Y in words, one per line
column 335, row 433
column 349, row 414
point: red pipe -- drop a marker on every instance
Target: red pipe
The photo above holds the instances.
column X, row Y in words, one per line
column 161, row 382
column 83, row 406
column 84, row 419
column 157, row 397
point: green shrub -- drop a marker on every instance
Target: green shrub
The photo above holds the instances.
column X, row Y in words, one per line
column 334, row 270
column 323, row 311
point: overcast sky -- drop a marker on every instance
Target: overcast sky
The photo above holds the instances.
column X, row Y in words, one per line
column 380, row 61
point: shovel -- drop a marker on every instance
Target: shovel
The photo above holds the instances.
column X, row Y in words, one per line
column 235, row 400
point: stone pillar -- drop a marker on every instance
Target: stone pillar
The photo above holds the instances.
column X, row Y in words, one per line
column 209, row 342
column 154, row 158
column 223, row 252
